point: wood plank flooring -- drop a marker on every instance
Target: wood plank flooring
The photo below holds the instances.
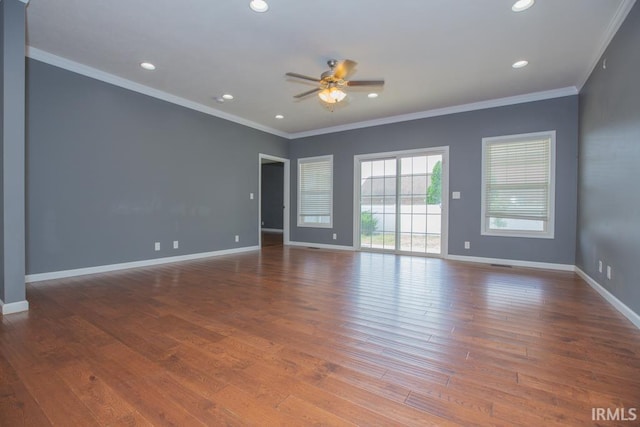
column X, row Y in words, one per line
column 296, row 336
column 271, row 238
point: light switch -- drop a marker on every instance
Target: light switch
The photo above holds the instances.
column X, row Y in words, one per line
column 455, row 195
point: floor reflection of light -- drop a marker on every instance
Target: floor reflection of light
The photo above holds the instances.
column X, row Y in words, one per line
column 502, row 291
column 408, row 285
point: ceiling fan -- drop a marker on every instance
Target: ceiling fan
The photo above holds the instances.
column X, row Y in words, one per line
column 331, row 82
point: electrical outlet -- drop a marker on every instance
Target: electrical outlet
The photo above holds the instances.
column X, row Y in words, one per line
column 237, row 238
column 335, row 236
column 609, row 272
column 251, row 196
column 600, row 266
column 157, row 246
column 467, row 245
column 175, row 244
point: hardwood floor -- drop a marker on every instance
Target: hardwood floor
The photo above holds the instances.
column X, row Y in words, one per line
column 271, row 238
column 295, row 336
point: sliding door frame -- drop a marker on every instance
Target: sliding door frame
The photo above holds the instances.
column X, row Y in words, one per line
column 428, row 151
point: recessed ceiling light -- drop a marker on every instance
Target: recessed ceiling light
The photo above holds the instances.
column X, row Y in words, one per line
column 373, row 95
column 259, row 6
column 521, row 5
column 148, row 66
column 520, row 64
column 219, row 99
column 227, row 96
column 279, row 116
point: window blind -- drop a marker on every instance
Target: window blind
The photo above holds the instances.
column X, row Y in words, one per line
column 517, row 179
column 315, row 193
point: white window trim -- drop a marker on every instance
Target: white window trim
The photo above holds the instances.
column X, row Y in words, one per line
column 309, row 160
column 549, row 233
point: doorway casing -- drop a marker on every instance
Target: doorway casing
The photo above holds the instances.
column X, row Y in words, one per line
column 265, row 158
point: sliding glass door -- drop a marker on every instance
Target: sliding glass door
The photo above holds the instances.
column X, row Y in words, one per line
column 378, row 201
column 400, row 200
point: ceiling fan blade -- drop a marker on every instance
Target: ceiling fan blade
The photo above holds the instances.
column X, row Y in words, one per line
column 365, row 83
column 344, row 68
column 309, row 92
column 302, row 76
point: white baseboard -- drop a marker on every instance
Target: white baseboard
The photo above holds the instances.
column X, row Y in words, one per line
column 13, row 307
column 273, row 230
column 321, row 246
column 20, row 306
column 512, row 262
column 135, row 264
column 611, row 299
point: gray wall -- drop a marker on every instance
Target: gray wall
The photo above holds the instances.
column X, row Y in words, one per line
column 272, row 195
column 609, row 198
column 12, row 146
column 463, row 133
column 111, row 171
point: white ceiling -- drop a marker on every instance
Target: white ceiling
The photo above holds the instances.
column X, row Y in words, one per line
column 433, row 54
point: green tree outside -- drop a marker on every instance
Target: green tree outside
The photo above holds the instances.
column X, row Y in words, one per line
column 434, row 192
column 368, row 224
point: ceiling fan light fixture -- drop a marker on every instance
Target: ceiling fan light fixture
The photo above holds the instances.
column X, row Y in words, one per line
column 332, row 95
column 259, row 6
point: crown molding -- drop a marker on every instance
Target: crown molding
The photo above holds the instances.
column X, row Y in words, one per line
column 67, row 64
column 500, row 102
column 615, row 24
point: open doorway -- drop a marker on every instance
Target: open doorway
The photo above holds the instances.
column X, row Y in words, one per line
column 273, row 201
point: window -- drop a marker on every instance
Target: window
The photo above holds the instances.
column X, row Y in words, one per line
column 315, row 192
column 518, row 190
